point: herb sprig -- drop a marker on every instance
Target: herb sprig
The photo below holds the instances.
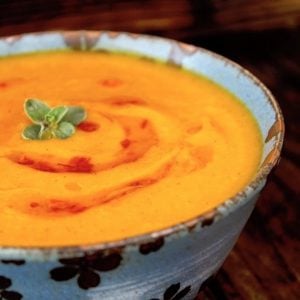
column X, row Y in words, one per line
column 58, row 122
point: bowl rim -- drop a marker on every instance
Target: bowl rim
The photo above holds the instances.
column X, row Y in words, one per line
column 208, row 217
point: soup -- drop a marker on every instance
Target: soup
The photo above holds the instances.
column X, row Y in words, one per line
column 159, row 146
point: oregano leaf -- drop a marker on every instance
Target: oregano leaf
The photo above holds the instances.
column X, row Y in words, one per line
column 32, row 132
column 46, row 134
column 64, row 130
column 55, row 115
column 36, row 110
column 58, row 122
column 75, row 115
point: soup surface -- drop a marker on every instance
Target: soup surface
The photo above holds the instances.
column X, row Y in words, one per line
column 159, row 146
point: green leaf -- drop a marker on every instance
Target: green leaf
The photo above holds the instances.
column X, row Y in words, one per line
column 64, row 130
column 36, row 110
column 46, row 134
column 58, row 122
column 75, row 115
column 32, row 132
column 55, row 115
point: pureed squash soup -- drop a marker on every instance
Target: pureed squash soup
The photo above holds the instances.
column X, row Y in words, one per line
column 159, row 146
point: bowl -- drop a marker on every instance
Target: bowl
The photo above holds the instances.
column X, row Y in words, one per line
column 174, row 261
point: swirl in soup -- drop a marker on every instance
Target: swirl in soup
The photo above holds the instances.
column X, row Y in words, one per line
column 159, row 146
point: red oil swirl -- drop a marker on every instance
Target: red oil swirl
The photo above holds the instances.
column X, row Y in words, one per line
column 77, row 164
column 111, row 82
column 125, row 100
column 8, row 83
column 138, row 137
column 135, row 144
column 3, row 84
column 56, row 207
column 62, row 207
column 88, row 126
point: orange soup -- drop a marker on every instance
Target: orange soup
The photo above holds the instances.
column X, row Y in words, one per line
column 159, row 146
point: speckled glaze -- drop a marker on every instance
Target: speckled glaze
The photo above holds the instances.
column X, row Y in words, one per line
column 169, row 264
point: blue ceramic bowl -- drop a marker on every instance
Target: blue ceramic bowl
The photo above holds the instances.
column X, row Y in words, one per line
column 176, row 260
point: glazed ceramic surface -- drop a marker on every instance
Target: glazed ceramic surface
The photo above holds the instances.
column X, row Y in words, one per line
column 173, row 263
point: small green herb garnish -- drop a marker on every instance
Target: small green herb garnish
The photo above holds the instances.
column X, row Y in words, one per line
column 58, row 122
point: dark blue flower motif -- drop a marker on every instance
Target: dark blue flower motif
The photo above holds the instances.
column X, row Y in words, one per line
column 206, row 286
column 87, row 268
column 152, row 246
column 5, row 283
column 18, row 262
column 173, row 292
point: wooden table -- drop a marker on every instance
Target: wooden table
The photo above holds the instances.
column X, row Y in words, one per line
column 265, row 263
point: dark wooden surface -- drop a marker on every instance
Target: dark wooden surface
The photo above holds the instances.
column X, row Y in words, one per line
column 263, row 36
column 265, row 263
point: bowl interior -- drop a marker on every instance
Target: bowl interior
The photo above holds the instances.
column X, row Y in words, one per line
column 217, row 68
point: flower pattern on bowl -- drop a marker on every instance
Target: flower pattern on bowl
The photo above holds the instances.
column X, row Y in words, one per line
column 87, row 268
column 173, row 292
column 6, row 294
